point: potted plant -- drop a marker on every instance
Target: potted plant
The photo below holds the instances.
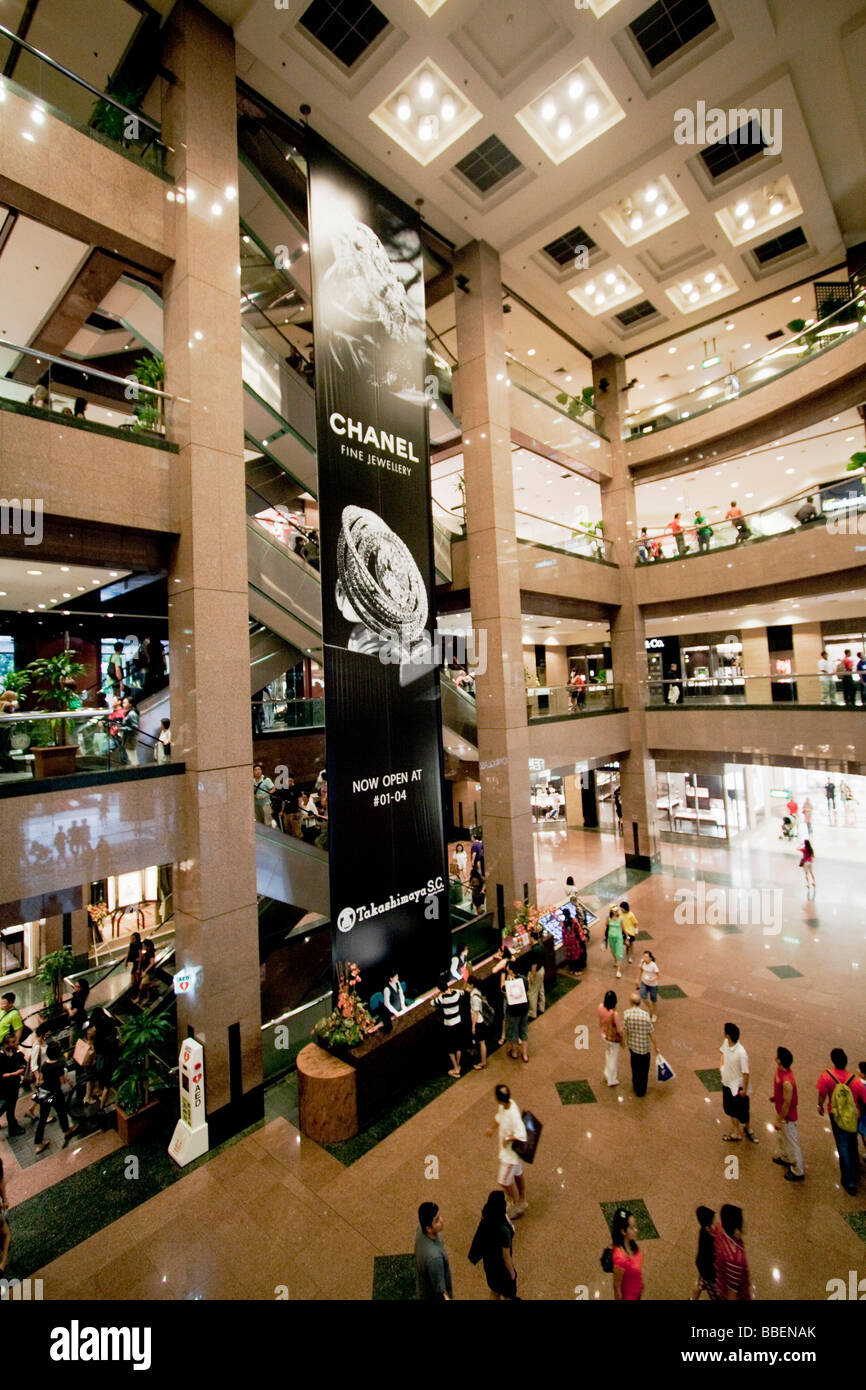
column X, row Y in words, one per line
column 578, row 405
column 51, row 973
column 136, row 1077
column 53, row 680
column 857, row 460
column 351, row 1020
column 150, row 371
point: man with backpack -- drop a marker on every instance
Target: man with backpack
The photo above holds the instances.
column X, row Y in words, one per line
column 844, row 1094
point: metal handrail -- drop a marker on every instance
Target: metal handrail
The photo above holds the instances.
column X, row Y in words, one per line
column 81, row 81
column 87, row 370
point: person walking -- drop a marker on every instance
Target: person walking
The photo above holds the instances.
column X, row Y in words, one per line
column 611, row 1034
column 262, row 789
column 12, row 1067
column 735, row 1085
column 10, row 1019
column 734, row 514
column 613, row 937
column 706, row 1257
column 51, row 1093
column 481, row 1018
column 129, row 731
column 509, row 1123
column 649, row 982
column 574, row 939
column 703, row 532
column 629, row 929
column 492, row 1245
column 627, row 1257
column 827, row 677
column 516, row 1014
column 731, row 1266
column 432, row 1267
column 676, row 530
column 535, row 978
column 448, row 1001
column 845, row 669
column 637, row 1036
column 807, row 860
column 784, row 1098
column 861, row 673
column 830, row 793
column 808, row 813
column 459, row 863
column 844, row 1095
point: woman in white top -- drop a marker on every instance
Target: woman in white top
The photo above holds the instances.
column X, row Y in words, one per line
column 459, row 862
column 38, row 1054
column 509, row 1122
column 649, row 981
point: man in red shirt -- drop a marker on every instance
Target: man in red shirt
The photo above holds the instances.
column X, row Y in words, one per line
column 676, row 531
column 784, row 1098
column 732, row 1268
column 841, row 1114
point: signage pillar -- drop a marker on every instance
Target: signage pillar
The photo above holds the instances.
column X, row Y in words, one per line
column 190, row 1138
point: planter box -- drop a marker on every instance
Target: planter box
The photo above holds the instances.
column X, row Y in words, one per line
column 134, row 1129
column 57, row 761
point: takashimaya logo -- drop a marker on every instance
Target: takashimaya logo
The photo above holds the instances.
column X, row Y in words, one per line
column 347, row 919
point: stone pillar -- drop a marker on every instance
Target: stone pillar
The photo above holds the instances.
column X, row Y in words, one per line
column 627, row 629
column 808, row 646
column 215, row 887
column 756, row 662
column 494, row 582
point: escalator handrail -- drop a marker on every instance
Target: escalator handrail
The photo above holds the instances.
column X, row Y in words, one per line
column 281, row 549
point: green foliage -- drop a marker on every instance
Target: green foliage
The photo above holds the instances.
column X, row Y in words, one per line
column 53, row 679
column 578, row 405
column 16, row 681
column 135, row 1074
column 857, row 460
column 109, row 120
column 52, row 971
column 150, row 371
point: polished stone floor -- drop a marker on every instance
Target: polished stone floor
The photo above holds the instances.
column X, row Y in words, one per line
column 341, row 1227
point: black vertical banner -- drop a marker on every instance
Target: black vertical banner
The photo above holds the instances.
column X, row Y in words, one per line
column 388, row 874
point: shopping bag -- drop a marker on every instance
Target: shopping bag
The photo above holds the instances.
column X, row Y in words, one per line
column 83, row 1054
column 515, row 991
column 525, row 1148
column 664, row 1070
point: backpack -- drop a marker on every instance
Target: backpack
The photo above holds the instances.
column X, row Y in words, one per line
column 843, row 1107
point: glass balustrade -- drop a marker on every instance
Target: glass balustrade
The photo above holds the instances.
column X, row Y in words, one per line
column 83, row 396
column 272, row 715
column 127, row 119
column 841, row 502
column 585, row 540
column 36, row 745
column 577, row 409
column 566, row 701
column 811, row 689
column 802, row 347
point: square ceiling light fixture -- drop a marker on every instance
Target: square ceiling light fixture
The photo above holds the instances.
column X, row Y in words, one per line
column 573, row 111
column 598, row 7
column 429, row 6
column 698, row 291
column 605, row 292
column 426, row 113
column 644, row 211
column 756, row 214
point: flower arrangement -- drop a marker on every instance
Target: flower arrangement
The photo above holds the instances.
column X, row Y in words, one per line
column 97, row 912
column 351, row 1020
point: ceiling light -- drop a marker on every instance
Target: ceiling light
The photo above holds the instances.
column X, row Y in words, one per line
column 34, row 571
column 694, row 297
column 67, row 596
column 448, row 108
column 590, row 289
column 37, row 115
column 592, row 109
column 651, row 193
column 231, row 194
column 576, row 88
column 635, row 222
column 564, row 129
column 687, row 287
column 728, row 327
column 710, row 277
column 426, row 86
column 548, row 109
column 741, row 209
column 599, row 298
column 609, row 278
column 64, row 569
column 28, row 135
column 716, row 286
column 671, row 349
column 776, row 207
column 796, row 299
column 428, row 128
column 746, row 346
column 40, row 605
column 530, row 352
column 404, row 108
column 748, row 223
column 661, row 209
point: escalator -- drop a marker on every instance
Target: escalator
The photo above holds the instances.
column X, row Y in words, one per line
column 459, row 720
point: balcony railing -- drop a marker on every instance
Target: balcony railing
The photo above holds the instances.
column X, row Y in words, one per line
column 58, row 92
column 803, row 347
column 84, row 396
column 274, row 716
column 584, row 540
column 38, row 744
column 567, row 701
column 842, row 501
column 810, row 690
column 574, row 408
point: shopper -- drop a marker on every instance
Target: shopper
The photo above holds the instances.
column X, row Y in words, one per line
column 627, row 1257
column 731, row 1266
column 830, row 793
column 844, row 1095
column 611, row 1034
column 10, row 1019
column 262, row 790
column 703, row 532
column 629, row 929
column 784, row 1100
column 51, row 1094
column 535, row 978
column 460, row 964
column 574, row 939
column 12, row 1067
column 827, row 677
column 476, row 887
column 510, row 1124
column 845, row 669
column 649, row 981
column 133, row 957
column 807, row 860
column 476, row 850
column 808, row 813
column 734, row 514
column 861, row 673
column 480, row 1019
column 676, row 530
column 38, row 1054
column 806, row 512
column 459, row 863
column 492, row 1245
column 432, row 1269
column 115, row 672
column 162, row 747
column 637, row 1030
column 706, row 1257
column 448, row 1001
column 516, row 1014
column 736, row 1086
column 613, row 937
column 146, row 961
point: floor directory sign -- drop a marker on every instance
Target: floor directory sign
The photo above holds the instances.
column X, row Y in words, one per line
column 382, row 706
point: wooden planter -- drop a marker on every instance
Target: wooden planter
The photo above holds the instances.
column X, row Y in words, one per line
column 136, row 1128
column 57, row 761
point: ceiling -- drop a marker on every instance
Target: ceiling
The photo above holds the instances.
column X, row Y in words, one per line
column 501, row 59
column 31, row 586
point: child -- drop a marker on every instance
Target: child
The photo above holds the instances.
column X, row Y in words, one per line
column 706, row 1260
column 629, row 929
column 649, row 980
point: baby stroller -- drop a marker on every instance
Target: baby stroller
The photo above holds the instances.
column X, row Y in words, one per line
column 787, row 829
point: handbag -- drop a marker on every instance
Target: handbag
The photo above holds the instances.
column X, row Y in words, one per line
column 83, row 1053
column 525, row 1148
column 42, row 1095
column 664, row 1071
column 515, row 992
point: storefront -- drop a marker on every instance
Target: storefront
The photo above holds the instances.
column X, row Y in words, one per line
column 139, row 901
column 547, row 794
column 711, row 664
column 19, row 950
column 707, row 805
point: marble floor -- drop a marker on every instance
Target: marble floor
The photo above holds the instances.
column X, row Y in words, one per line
column 321, row 1228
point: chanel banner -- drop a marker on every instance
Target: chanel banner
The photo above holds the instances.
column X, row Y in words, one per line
column 389, row 901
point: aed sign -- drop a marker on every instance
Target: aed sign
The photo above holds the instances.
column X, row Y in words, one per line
column 184, row 980
column 190, row 1138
